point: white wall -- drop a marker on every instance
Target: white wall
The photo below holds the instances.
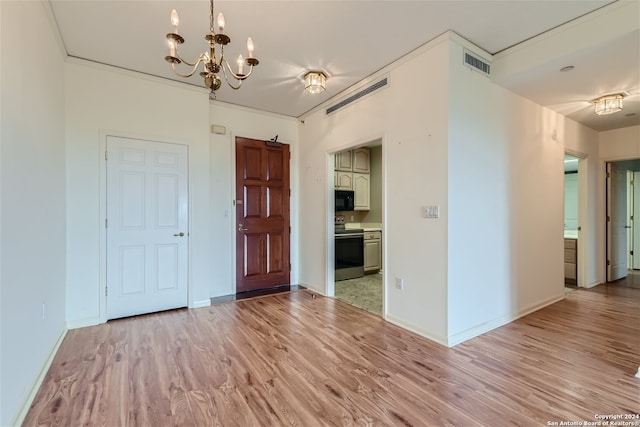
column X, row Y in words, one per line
column 479, row 246
column 100, row 100
column 620, row 144
column 33, row 199
column 505, row 203
column 495, row 170
column 411, row 117
column 247, row 123
column 136, row 105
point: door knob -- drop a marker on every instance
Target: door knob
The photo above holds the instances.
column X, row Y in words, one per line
column 180, row 234
column 240, row 228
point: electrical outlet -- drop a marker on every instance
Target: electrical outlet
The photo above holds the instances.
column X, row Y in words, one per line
column 399, row 283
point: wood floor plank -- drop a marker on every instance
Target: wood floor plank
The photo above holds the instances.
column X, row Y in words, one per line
column 290, row 359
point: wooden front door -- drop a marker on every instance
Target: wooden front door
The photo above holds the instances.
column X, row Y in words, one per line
column 262, row 215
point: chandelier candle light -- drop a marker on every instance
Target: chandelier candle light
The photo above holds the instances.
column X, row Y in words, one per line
column 212, row 63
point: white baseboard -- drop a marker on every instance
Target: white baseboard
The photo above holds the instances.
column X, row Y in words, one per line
column 591, row 285
column 83, row 323
column 416, row 330
column 26, row 404
column 311, row 288
column 201, row 303
column 475, row 331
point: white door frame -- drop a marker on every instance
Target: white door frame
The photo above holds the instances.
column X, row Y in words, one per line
column 329, row 289
column 583, row 217
column 102, row 281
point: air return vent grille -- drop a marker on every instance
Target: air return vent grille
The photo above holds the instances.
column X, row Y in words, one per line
column 477, row 63
column 364, row 92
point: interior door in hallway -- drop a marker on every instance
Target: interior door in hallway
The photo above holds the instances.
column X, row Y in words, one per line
column 616, row 222
column 147, row 225
column 262, row 215
column 635, row 224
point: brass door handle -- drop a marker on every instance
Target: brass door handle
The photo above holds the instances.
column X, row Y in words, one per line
column 241, row 228
column 180, row 234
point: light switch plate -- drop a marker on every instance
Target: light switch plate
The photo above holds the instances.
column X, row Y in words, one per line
column 432, row 211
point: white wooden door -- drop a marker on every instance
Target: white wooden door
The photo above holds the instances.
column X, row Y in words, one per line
column 634, row 223
column 616, row 224
column 147, row 226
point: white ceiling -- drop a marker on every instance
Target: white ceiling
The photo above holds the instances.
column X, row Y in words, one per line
column 350, row 40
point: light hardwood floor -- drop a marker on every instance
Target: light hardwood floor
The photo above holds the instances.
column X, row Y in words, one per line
column 290, row 359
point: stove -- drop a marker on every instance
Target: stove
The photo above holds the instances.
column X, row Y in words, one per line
column 349, row 252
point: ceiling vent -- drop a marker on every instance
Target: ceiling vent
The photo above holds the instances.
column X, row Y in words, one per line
column 476, row 63
column 364, row 92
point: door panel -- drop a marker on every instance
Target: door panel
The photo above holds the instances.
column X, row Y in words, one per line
column 147, row 209
column 262, row 215
column 275, row 203
column 274, row 250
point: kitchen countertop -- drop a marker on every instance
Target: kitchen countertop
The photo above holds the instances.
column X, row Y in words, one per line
column 366, row 226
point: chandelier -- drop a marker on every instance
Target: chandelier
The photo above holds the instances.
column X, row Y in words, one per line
column 608, row 104
column 315, row 81
column 213, row 63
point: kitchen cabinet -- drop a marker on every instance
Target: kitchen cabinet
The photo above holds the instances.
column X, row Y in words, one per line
column 571, row 261
column 362, row 160
column 352, row 169
column 372, row 251
column 343, row 180
column 362, row 192
column 344, row 161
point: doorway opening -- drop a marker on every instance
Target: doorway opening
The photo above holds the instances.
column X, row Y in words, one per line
column 623, row 207
column 571, row 220
column 358, row 233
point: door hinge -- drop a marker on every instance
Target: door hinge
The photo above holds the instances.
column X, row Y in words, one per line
column 106, row 223
column 608, row 174
column 631, row 217
column 106, row 291
column 631, row 253
column 106, row 155
column 608, row 262
column 289, row 229
column 289, row 266
column 608, row 218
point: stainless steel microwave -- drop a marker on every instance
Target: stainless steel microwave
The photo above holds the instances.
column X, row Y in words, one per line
column 344, row 200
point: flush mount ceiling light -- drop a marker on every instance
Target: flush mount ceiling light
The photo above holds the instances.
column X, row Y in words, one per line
column 608, row 104
column 315, row 81
column 212, row 63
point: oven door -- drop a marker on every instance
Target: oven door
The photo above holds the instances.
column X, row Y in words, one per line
column 349, row 256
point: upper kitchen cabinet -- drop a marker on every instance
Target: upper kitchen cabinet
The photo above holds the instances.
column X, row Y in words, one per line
column 361, row 160
column 362, row 192
column 344, row 161
column 343, row 180
column 352, row 170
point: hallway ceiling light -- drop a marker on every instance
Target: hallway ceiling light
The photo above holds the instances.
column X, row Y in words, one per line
column 315, row 81
column 608, row 104
column 212, row 63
